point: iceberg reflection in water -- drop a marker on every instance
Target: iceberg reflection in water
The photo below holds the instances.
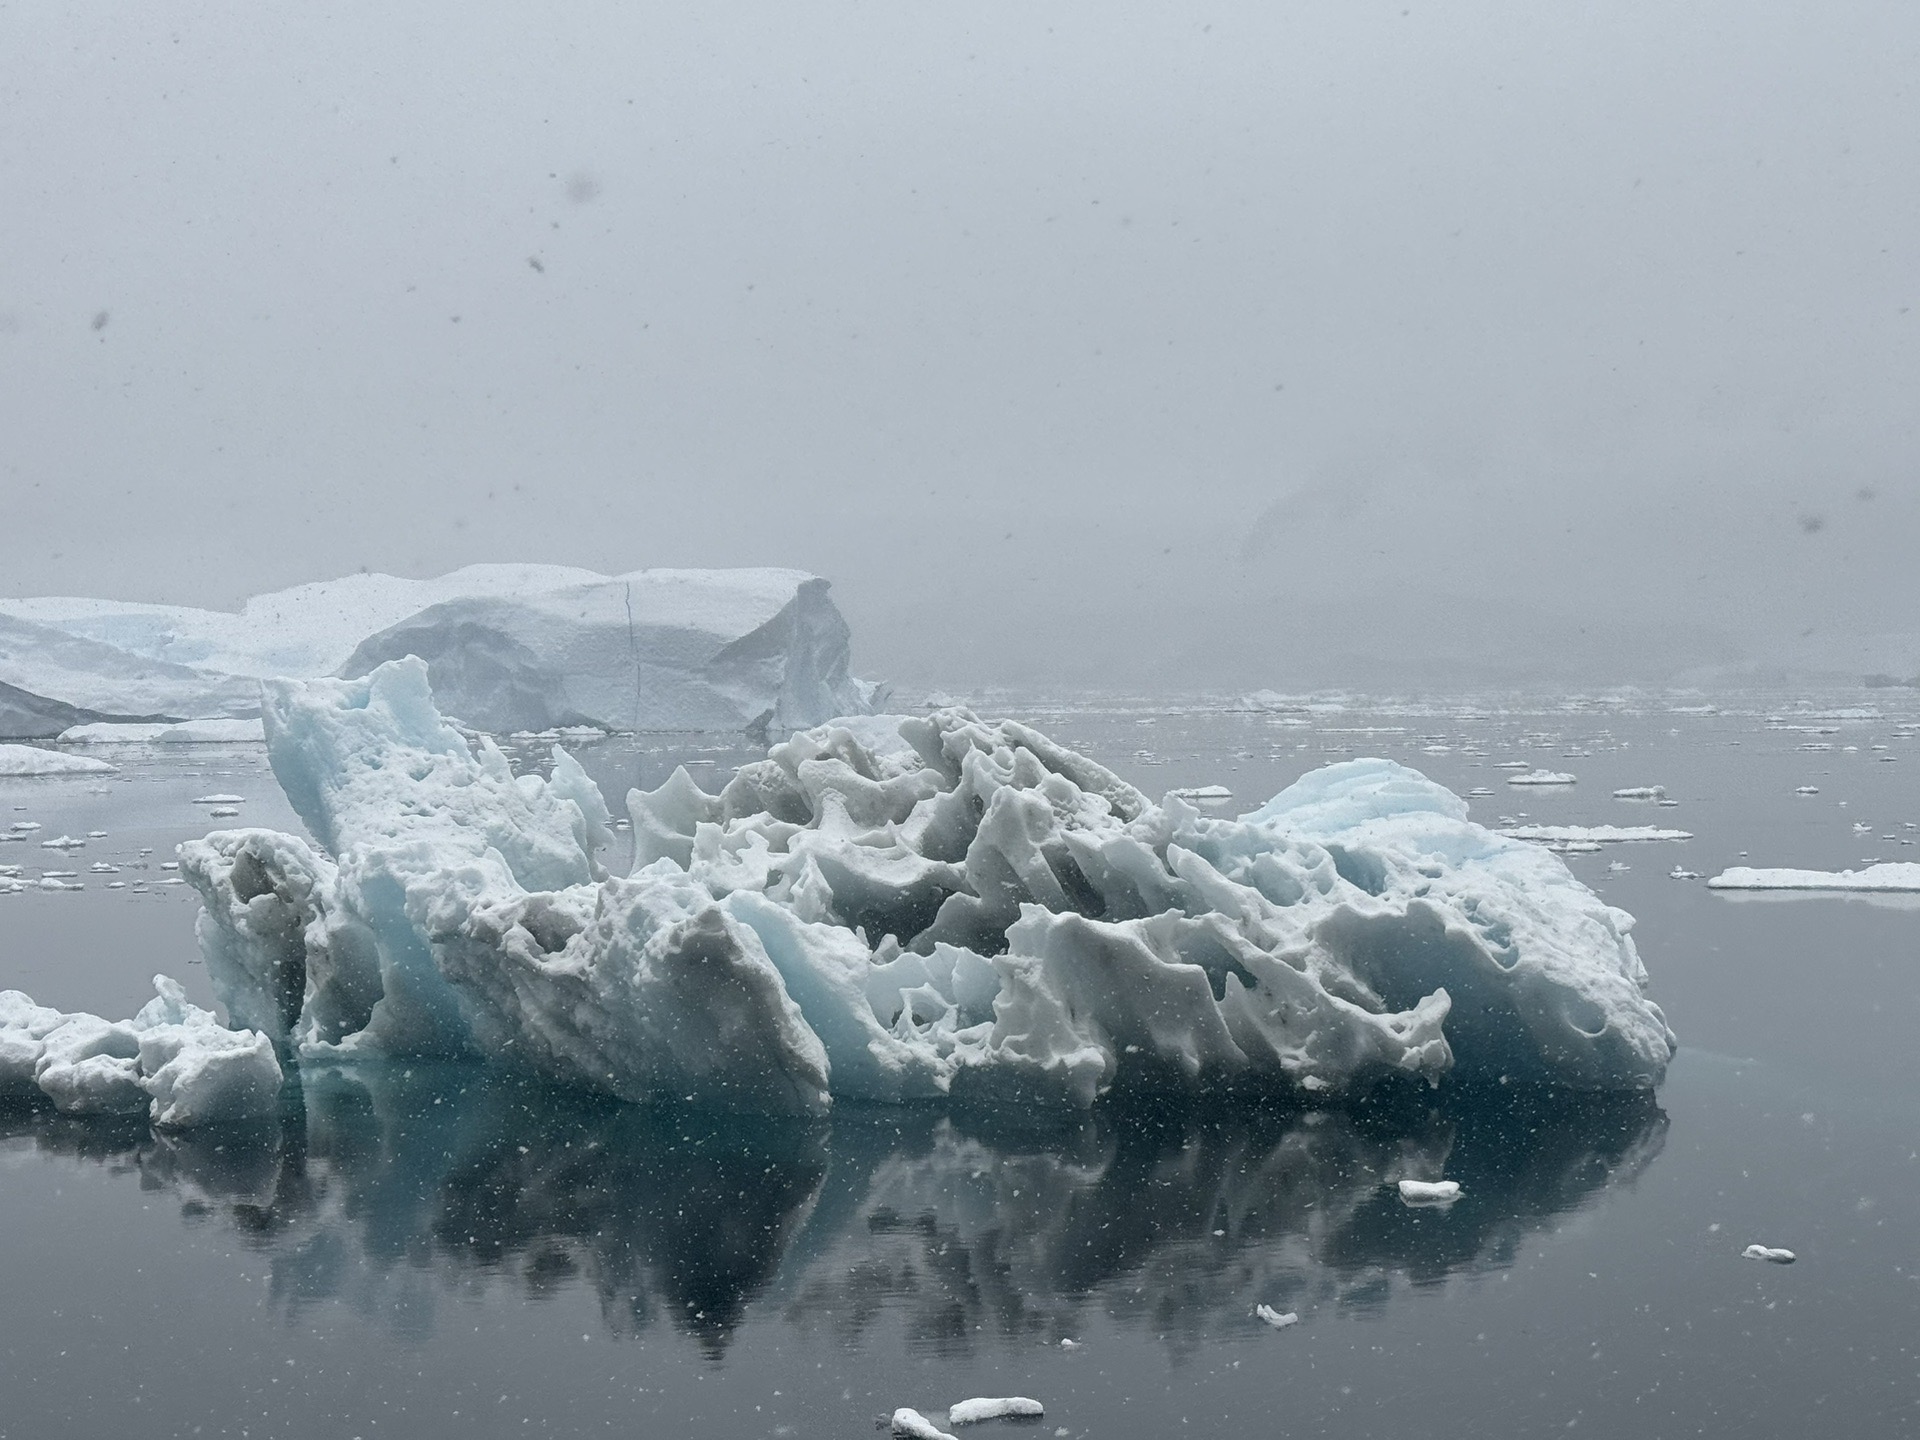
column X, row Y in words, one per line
column 387, row 1188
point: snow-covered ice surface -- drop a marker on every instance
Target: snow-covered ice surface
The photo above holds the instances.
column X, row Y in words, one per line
column 1429, row 1192
column 899, row 909
column 910, row 1424
column 1773, row 1254
column 988, row 1407
column 512, row 647
column 173, row 1060
column 33, row 760
column 1599, row 834
column 1885, row 878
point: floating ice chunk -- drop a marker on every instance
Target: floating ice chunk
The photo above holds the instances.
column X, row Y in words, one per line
column 1066, row 1344
column 1206, row 794
column 1771, row 1254
column 1600, row 834
column 57, row 882
column 1542, row 777
column 971, row 1412
column 220, row 800
column 1680, row 872
column 223, row 812
column 172, row 1059
column 904, row 908
column 1512, row 765
column 1274, row 1318
column 1893, row 877
column 1479, row 792
column 910, row 1424
column 1429, row 1192
column 32, row 760
column 185, row 732
column 24, row 826
column 1641, row 792
column 63, row 842
column 1806, row 789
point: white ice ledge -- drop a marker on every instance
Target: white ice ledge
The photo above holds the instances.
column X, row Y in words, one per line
column 1893, row 878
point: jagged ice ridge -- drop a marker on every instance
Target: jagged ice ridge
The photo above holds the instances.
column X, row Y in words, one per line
column 898, row 909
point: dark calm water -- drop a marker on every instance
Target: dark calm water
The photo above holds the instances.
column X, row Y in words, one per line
column 429, row 1251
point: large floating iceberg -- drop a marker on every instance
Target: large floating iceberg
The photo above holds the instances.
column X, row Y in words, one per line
column 509, row 647
column 897, row 909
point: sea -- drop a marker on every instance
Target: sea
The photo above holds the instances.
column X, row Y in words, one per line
column 428, row 1250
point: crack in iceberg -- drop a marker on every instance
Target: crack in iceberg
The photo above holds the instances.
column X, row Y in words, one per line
column 899, row 908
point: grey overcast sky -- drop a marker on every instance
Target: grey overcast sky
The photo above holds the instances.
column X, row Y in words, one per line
column 1273, row 344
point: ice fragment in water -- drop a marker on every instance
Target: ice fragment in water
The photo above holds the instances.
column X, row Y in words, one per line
column 32, row 760
column 220, row 800
column 1274, row 1318
column 910, row 1424
column 1769, row 1253
column 1641, row 792
column 1892, row 877
column 969, row 1412
column 1207, row 794
column 1593, row 834
column 1429, row 1192
column 173, row 1060
column 899, row 908
column 1542, row 777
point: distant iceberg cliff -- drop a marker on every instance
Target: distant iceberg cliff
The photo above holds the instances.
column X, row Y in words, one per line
column 895, row 908
column 508, row 647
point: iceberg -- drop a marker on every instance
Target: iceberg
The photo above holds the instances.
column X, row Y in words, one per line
column 1889, row 877
column 509, row 648
column 172, row 1060
column 32, row 760
column 898, row 909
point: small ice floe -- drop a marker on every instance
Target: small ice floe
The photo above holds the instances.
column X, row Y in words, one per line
column 1599, row 834
column 1543, row 777
column 1680, row 872
column 169, row 864
column 23, row 826
column 910, row 1424
column 116, row 884
column 62, row 842
column 1860, row 827
column 1772, row 1254
column 1479, row 792
column 1513, row 765
column 222, row 812
column 1641, row 792
column 1429, row 1192
column 971, row 1412
column 32, row 760
column 1205, row 794
column 101, row 867
column 55, row 882
column 1806, row 789
column 1617, row 866
column 220, row 800
column 1066, row 1344
column 1274, row 1318
column 96, row 834
column 1894, row 877
column 1573, row 847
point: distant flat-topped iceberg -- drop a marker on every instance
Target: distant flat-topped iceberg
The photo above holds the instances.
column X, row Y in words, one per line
column 898, row 909
column 508, row 647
